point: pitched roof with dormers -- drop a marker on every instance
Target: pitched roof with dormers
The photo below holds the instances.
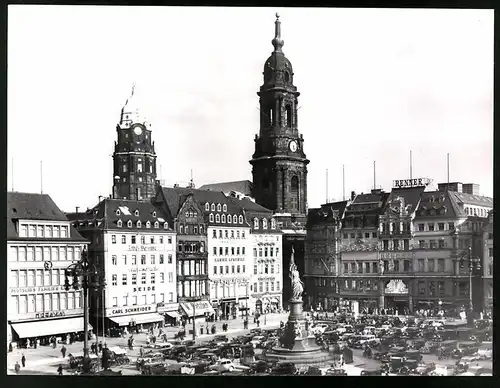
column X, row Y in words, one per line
column 244, row 187
column 107, row 214
column 411, row 198
column 176, row 196
column 470, row 199
column 36, row 207
column 326, row 214
column 439, row 204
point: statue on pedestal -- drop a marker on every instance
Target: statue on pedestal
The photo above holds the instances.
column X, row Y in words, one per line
column 297, row 284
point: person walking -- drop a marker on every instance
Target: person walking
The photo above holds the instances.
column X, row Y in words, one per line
column 10, row 347
column 60, row 370
column 63, row 351
column 17, row 367
column 141, row 351
column 23, row 361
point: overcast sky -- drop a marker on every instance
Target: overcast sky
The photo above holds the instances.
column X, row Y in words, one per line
column 374, row 83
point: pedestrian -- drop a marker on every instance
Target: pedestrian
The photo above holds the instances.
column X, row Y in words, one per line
column 17, row 367
column 23, row 361
column 10, row 347
column 100, row 346
column 60, row 370
column 63, row 351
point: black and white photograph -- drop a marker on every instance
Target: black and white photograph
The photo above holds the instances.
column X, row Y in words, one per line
column 244, row 191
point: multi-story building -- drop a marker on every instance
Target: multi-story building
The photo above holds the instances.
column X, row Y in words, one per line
column 487, row 263
column 264, row 258
column 41, row 245
column 322, row 255
column 133, row 244
column 359, row 250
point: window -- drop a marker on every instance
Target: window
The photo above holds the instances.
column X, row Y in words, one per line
column 143, row 278
column 396, row 245
column 217, row 218
column 143, row 259
column 124, row 239
column 129, row 224
column 218, row 207
column 346, row 268
column 114, row 260
column 421, row 288
column 431, row 265
column 153, row 278
column 170, row 277
column 432, row 288
column 367, row 267
column 273, row 222
column 385, row 245
column 143, row 239
column 451, row 225
column 115, row 302
column 421, row 265
column 440, row 288
column 124, row 279
column 261, row 287
column 430, row 226
column 406, row 245
column 346, row 235
column 152, row 259
column 134, row 260
column 113, row 239
column 232, row 233
column 255, row 223
column 255, row 269
column 211, row 217
column 161, row 259
column 277, row 286
column 134, row 279
column 132, row 239
column 441, row 226
column 406, row 265
column 114, row 280
column 152, row 239
column 441, row 243
column 232, row 251
column 226, row 251
column 243, row 268
column 223, row 218
column 232, row 269
column 490, row 252
column 214, row 233
column 440, row 265
column 374, row 235
column 215, row 270
column 421, row 227
column 124, row 258
column 433, row 244
column 264, row 223
column 367, row 235
column 421, row 243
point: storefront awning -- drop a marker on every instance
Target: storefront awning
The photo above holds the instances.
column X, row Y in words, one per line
column 49, row 327
column 199, row 308
column 138, row 319
column 172, row 314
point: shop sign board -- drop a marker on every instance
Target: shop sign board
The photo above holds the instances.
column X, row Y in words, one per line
column 394, row 255
column 114, row 311
column 226, row 259
column 144, row 269
column 141, row 248
column 405, row 183
column 163, row 307
column 35, row 290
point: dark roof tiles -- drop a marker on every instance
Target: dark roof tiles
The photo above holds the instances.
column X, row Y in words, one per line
column 244, row 187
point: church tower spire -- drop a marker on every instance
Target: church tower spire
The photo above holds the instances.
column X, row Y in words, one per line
column 279, row 162
column 134, row 158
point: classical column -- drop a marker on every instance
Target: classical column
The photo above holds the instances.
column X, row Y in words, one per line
column 401, row 226
column 391, row 229
column 381, row 303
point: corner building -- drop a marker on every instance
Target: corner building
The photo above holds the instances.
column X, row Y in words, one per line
column 41, row 244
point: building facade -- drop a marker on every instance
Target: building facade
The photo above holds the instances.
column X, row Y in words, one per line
column 133, row 244
column 134, row 157
column 487, row 263
column 322, row 255
column 41, row 244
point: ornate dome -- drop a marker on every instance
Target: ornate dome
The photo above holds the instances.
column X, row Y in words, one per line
column 131, row 113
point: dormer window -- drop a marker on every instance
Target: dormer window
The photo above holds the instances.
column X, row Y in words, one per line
column 211, row 217
column 224, row 218
column 235, row 219
column 157, row 224
column 118, row 212
column 119, row 223
column 207, row 207
column 148, row 224
column 154, row 214
column 256, row 223
column 165, row 225
column 212, row 207
column 273, row 223
column 217, row 218
column 224, row 208
column 240, row 219
column 264, row 223
column 129, row 223
column 136, row 213
column 138, row 224
column 228, row 218
column 218, row 207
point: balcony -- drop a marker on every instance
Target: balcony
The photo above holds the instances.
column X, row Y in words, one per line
column 191, row 255
column 182, row 278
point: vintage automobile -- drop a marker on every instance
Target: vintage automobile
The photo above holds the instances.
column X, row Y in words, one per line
column 413, row 355
column 118, row 356
column 371, row 372
column 335, row 372
column 284, row 368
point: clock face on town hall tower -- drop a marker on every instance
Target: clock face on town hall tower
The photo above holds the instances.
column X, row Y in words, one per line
column 279, row 162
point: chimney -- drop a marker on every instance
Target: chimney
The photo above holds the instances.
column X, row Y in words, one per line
column 100, row 198
column 353, row 195
column 77, row 209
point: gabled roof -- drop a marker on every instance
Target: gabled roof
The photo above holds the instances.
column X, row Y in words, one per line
column 110, row 210
column 175, row 197
column 326, row 213
column 378, row 199
column 470, row 199
column 439, row 204
column 244, row 187
column 36, row 207
column 411, row 197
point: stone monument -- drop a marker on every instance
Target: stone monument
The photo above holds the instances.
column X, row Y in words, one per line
column 298, row 344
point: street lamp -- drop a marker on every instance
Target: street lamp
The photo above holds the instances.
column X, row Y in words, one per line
column 474, row 263
column 89, row 280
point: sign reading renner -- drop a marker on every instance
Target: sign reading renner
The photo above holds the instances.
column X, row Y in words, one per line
column 404, row 183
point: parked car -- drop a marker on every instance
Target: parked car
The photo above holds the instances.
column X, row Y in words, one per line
column 223, row 365
column 284, row 368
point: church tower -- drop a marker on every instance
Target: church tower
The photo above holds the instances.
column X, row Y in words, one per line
column 279, row 162
column 134, row 159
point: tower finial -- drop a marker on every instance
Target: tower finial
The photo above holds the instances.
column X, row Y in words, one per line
column 133, row 89
column 277, row 41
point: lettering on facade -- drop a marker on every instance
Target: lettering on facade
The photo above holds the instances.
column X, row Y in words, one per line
column 30, row 290
column 131, row 310
column 396, row 287
column 394, row 255
column 151, row 288
column 144, row 269
column 417, row 182
column 51, row 314
column 141, row 248
column 226, row 259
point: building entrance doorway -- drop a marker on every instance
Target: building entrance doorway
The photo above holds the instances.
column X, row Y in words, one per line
column 397, row 305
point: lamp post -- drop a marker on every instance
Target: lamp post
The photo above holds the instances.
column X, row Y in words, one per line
column 473, row 264
column 90, row 279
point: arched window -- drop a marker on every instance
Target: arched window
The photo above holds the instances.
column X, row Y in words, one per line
column 218, row 207
column 138, row 224
column 148, row 224
column 207, row 207
column 165, row 225
column 235, row 219
column 288, row 116
column 241, row 219
column 217, row 218
column 228, row 218
column 118, row 212
column 294, row 188
column 154, row 214
column 224, row 208
column 157, row 224
column 212, row 207
column 256, row 223
column 136, row 213
column 273, row 223
column 264, row 223
column 211, row 217
column 119, row 223
column 223, row 218
column 129, row 223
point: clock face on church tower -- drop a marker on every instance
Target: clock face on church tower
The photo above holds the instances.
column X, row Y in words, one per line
column 138, row 130
column 293, row 146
